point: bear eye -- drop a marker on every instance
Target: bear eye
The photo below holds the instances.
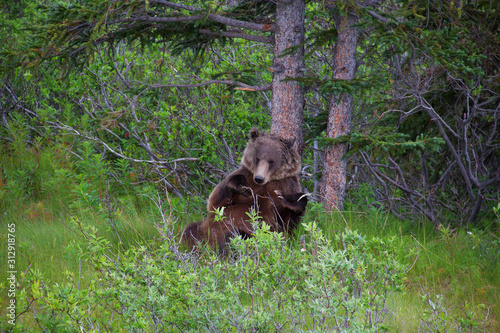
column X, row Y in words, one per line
column 271, row 163
column 257, row 161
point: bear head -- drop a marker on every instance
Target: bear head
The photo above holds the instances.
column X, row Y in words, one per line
column 270, row 157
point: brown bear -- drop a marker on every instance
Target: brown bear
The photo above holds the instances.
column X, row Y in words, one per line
column 267, row 182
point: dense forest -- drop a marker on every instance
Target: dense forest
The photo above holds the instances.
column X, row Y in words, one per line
column 119, row 117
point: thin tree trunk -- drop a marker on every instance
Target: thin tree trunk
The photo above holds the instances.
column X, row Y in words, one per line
column 334, row 179
column 288, row 96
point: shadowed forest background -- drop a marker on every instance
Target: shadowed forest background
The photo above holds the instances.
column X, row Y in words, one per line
column 118, row 118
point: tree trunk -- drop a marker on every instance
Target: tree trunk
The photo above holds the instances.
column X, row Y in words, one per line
column 334, row 179
column 288, row 97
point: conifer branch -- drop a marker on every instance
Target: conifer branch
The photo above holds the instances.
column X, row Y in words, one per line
column 173, row 19
column 219, row 18
column 240, row 85
column 233, row 34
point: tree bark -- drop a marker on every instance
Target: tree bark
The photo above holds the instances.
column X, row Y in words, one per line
column 288, row 96
column 334, row 178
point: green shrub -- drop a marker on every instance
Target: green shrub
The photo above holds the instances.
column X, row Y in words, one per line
column 264, row 285
column 437, row 318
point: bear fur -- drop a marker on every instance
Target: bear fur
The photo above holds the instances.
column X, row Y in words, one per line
column 267, row 181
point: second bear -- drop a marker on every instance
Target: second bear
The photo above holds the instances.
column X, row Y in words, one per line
column 267, row 182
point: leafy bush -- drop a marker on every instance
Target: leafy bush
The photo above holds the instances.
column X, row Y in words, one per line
column 265, row 284
column 437, row 317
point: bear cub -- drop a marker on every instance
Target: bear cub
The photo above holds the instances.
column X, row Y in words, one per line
column 266, row 182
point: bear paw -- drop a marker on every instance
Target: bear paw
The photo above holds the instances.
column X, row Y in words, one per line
column 295, row 201
column 238, row 184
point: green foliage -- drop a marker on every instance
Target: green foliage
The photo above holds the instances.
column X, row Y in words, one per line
column 391, row 143
column 347, row 281
column 461, row 266
column 436, row 317
column 265, row 285
column 73, row 31
column 208, row 125
column 437, row 57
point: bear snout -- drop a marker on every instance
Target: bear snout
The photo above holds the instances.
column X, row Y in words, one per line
column 259, row 179
column 261, row 174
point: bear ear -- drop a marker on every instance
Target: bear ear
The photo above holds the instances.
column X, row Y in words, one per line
column 288, row 142
column 254, row 133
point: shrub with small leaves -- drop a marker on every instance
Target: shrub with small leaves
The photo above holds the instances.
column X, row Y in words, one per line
column 437, row 318
column 265, row 284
